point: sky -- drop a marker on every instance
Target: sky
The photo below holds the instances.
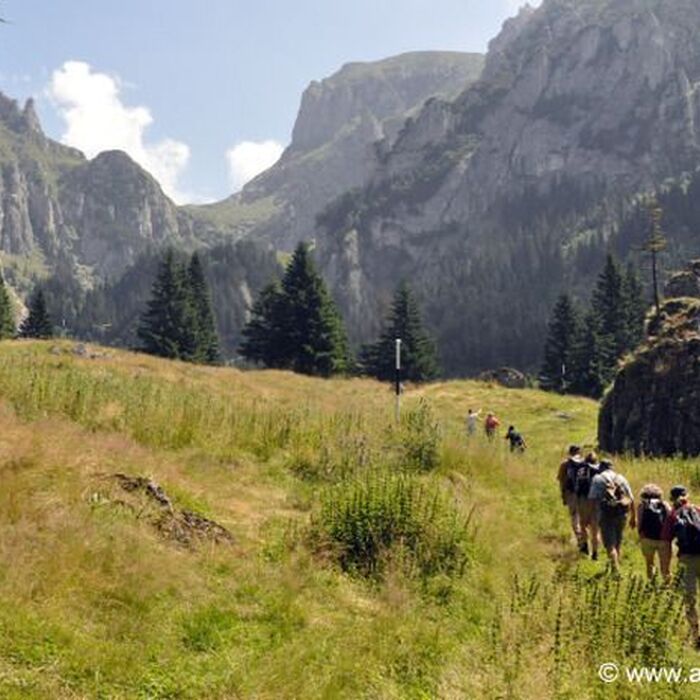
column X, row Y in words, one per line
column 204, row 94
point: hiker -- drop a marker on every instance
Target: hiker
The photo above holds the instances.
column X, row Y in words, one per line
column 491, row 425
column 586, row 509
column 567, row 485
column 683, row 526
column 472, row 420
column 517, row 441
column 652, row 514
column 614, row 501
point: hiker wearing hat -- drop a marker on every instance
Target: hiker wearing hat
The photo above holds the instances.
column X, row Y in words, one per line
column 614, row 501
column 652, row 514
column 683, row 526
column 566, row 476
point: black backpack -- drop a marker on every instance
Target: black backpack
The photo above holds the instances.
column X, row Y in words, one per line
column 572, row 466
column 654, row 514
column 584, row 477
column 687, row 530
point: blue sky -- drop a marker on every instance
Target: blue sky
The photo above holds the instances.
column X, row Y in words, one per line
column 181, row 84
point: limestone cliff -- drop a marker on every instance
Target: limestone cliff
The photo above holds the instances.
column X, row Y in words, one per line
column 340, row 120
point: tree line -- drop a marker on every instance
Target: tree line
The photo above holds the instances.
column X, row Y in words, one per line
column 296, row 325
column 584, row 346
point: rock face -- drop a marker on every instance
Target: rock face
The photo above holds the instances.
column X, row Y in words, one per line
column 653, row 407
column 332, row 149
column 581, row 104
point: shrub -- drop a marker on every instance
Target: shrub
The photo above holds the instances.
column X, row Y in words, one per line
column 367, row 523
column 419, row 439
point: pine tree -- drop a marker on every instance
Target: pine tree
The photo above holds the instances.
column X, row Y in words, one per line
column 313, row 336
column 418, row 351
column 7, row 317
column 262, row 336
column 588, row 371
column 635, row 308
column 557, row 368
column 167, row 326
column 298, row 326
column 38, row 323
column 609, row 315
column 206, row 338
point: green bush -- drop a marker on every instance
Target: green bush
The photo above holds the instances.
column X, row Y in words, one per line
column 419, row 438
column 368, row 523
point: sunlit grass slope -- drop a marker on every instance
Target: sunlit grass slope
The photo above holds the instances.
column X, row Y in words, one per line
column 96, row 603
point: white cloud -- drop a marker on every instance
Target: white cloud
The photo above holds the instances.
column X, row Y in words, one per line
column 249, row 158
column 97, row 120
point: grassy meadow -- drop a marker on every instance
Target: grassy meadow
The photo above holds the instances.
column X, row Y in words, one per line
column 368, row 560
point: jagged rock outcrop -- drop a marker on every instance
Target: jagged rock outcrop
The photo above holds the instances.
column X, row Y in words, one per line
column 486, row 201
column 653, row 408
column 332, row 149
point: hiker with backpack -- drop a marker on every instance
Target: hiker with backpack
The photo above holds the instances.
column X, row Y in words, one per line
column 517, row 441
column 491, row 425
column 566, row 476
column 652, row 514
column 683, row 526
column 614, row 501
column 587, row 512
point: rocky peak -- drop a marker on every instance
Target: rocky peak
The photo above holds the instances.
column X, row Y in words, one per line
column 20, row 121
column 378, row 90
column 31, row 118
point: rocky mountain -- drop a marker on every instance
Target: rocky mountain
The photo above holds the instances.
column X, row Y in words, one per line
column 91, row 230
column 340, row 120
column 493, row 202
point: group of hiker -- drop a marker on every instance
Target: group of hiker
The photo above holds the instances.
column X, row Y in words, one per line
column 601, row 504
column 491, row 426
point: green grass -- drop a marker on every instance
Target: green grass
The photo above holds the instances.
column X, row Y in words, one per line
column 94, row 603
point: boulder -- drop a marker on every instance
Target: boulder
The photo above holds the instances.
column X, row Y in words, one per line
column 505, row 376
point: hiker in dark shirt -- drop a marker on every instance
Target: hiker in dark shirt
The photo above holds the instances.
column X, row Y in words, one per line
column 683, row 526
column 517, row 442
column 652, row 514
column 587, row 513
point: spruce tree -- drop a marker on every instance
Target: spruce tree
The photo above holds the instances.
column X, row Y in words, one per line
column 166, row 327
column 589, row 375
column 609, row 315
column 206, row 339
column 557, row 368
column 262, row 338
column 7, row 315
column 313, row 337
column 298, row 326
column 418, row 352
column 38, row 323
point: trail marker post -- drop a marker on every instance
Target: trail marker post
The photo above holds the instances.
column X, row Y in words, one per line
column 398, row 379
